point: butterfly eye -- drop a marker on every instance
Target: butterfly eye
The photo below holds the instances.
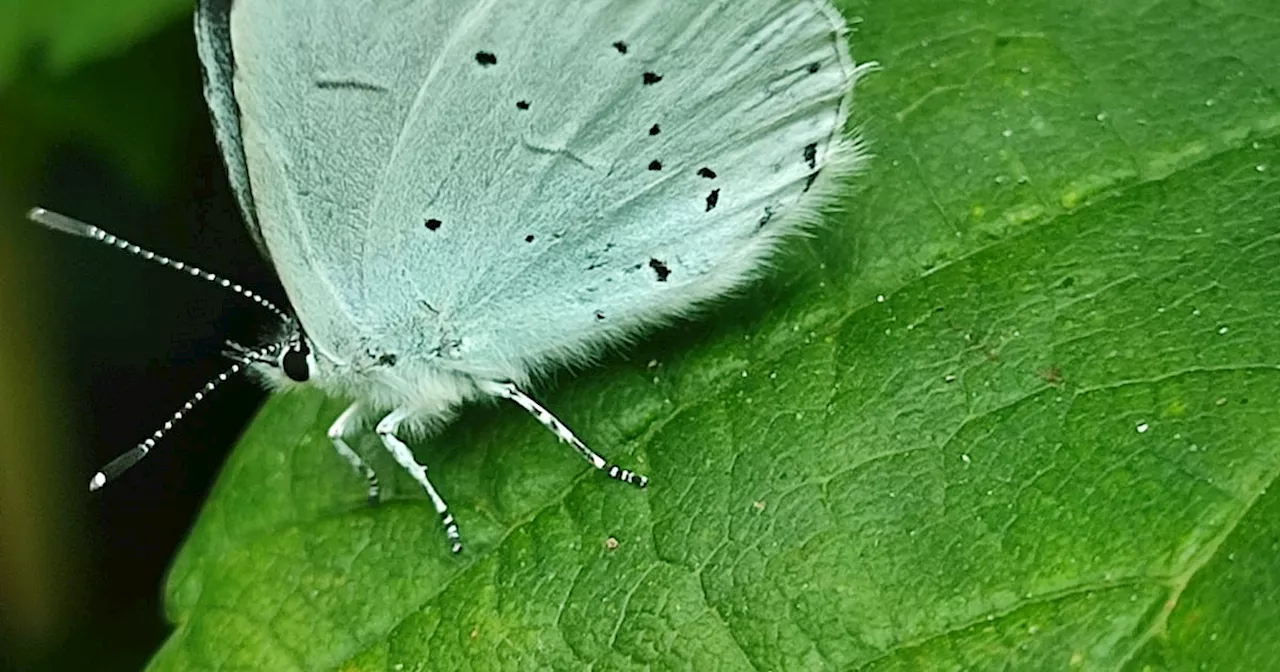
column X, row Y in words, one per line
column 295, row 364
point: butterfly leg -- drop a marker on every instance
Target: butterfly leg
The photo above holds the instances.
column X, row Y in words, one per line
column 338, row 432
column 551, row 422
column 387, row 432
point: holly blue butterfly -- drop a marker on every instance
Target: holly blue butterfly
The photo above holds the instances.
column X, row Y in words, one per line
column 459, row 195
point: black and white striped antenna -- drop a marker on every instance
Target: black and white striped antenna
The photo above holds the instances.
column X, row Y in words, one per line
column 244, row 356
column 122, row 463
column 76, row 227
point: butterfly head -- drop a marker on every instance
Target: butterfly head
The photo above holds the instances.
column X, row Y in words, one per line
column 297, row 362
column 287, row 359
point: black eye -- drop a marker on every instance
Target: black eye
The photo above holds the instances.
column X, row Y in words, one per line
column 295, row 364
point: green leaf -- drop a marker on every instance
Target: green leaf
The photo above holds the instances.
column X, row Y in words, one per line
column 1016, row 407
column 72, row 33
column 102, row 76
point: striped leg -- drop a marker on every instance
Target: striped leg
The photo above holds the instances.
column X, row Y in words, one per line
column 387, row 431
column 338, row 432
column 510, row 391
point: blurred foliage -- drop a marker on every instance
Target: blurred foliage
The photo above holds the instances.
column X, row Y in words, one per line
column 67, row 75
column 99, row 113
column 68, row 34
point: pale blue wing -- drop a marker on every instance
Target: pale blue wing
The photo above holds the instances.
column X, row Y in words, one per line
column 213, row 44
column 494, row 186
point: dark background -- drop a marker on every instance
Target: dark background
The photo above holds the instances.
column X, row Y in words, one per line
column 102, row 118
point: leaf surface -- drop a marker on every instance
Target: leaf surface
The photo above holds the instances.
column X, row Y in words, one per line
column 1016, row 406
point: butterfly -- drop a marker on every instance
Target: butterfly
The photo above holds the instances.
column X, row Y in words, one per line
column 459, row 196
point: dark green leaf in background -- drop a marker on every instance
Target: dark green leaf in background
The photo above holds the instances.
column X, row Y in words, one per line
column 70, row 33
column 99, row 112
column 65, row 66
column 1015, row 407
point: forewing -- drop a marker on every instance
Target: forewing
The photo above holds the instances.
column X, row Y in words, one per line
column 324, row 89
column 501, row 184
column 213, row 44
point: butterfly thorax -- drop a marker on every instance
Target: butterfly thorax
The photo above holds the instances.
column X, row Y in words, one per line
column 382, row 380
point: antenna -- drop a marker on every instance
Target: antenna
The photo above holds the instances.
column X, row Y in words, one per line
column 244, row 356
column 122, row 464
column 76, row 227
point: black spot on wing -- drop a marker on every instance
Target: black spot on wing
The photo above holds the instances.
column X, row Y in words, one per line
column 486, row 58
column 811, row 154
column 387, row 359
column 620, row 46
column 814, row 67
column 768, row 215
column 528, row 238
column 707, row 173
column 712, row 199
column 652, row 78
column 654, row 130
column 350, row 84
column 522, row 104
column 433, row 224
column 660, row 269
column 599, row 315
column 655, row 165
column 808, row 182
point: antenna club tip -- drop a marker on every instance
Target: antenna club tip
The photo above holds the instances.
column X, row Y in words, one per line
column 99, row 479
column 61, row 223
